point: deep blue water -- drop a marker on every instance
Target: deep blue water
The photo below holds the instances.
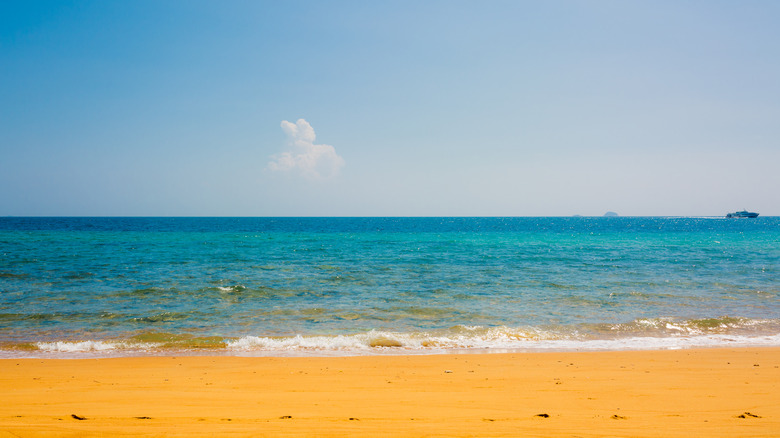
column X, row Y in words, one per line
column 345, row 284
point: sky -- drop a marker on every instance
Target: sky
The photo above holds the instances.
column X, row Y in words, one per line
column 389, row 108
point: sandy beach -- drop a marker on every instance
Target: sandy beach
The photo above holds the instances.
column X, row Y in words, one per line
column 703, row 392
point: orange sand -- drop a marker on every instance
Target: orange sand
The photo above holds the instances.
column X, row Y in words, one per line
column 686, row 393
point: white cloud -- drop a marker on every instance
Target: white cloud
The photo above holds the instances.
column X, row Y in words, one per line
column 304, row 157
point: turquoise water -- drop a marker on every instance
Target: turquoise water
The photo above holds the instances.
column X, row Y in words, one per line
column 374, row 285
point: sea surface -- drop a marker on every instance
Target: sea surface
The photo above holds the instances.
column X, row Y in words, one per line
column 85, row 287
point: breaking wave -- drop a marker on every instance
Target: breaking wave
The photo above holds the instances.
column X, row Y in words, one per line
column 640, row 334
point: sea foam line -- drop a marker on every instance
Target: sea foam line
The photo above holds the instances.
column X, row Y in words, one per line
column 91, row 346
column 384, row 341
column 650, row 334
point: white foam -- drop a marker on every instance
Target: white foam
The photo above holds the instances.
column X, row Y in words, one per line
column 88, row 346
column 361, row 341
column 460, row 338
column 659, row 343
column 234, row 288
column 498, row 338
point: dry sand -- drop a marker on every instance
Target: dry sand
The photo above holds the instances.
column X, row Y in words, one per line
column 691, row 393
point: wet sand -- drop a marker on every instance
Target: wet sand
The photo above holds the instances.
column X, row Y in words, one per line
column 703, row 392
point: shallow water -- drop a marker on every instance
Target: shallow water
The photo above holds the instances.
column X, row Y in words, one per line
column 373, row 285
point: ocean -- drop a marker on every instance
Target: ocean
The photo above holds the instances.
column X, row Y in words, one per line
column 102, row 287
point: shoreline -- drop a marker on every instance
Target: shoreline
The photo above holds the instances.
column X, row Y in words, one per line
column 641, row 334
column 685, row 392
column 378, row 352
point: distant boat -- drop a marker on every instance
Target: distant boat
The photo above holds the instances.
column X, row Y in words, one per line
column 743, row 213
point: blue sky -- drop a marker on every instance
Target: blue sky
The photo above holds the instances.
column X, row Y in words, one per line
column 396, row 108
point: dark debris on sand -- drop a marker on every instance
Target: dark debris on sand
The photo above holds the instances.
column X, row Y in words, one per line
column 748, row 415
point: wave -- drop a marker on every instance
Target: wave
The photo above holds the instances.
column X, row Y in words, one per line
column 658, row 333
column 637, row 335
column 89, row 346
